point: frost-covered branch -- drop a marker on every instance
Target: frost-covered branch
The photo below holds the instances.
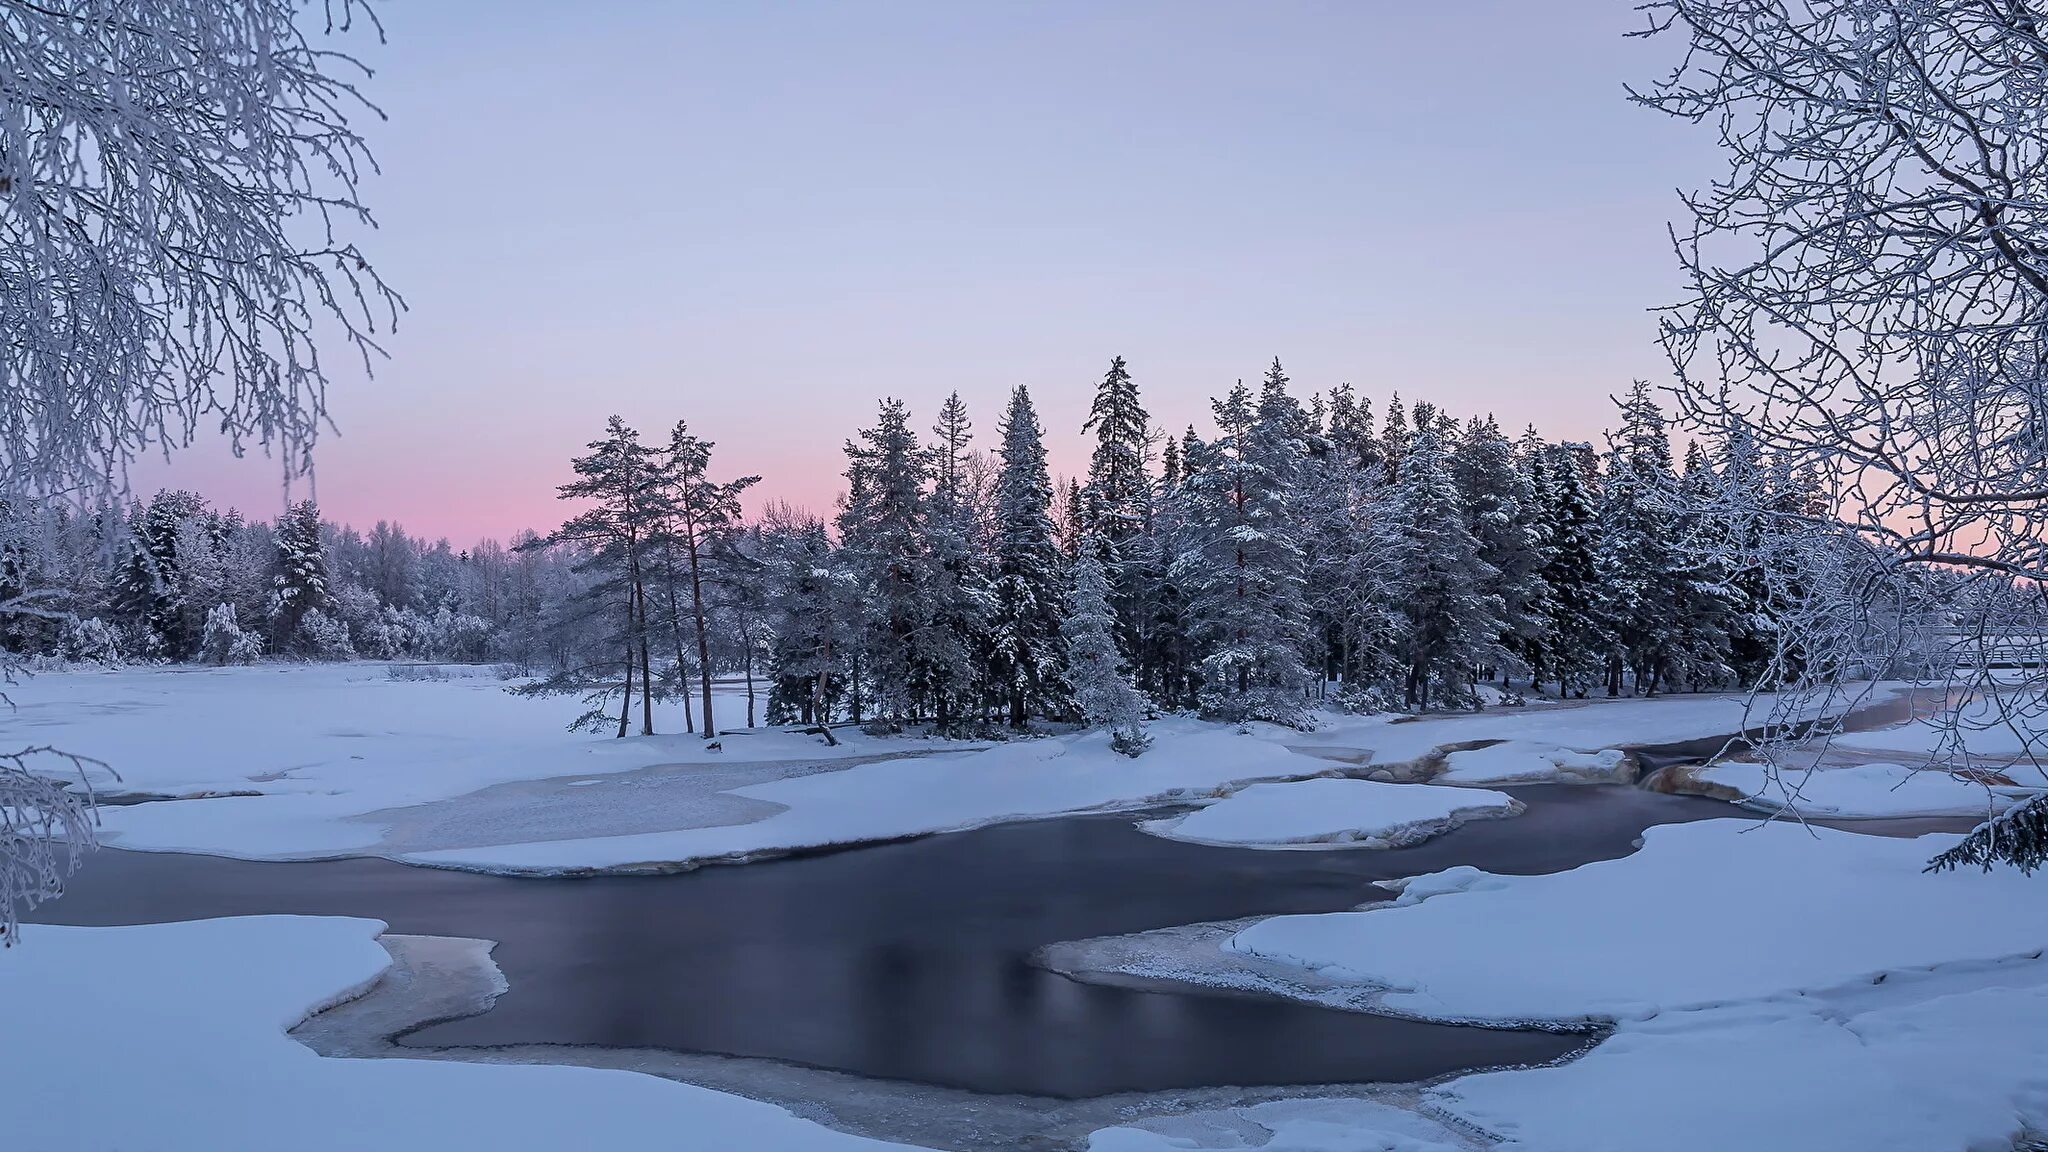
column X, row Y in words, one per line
column 177, row 205
column 1869, row 294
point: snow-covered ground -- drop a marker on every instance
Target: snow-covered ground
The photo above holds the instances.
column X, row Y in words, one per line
column 1333, row 813
column 1289, row 1126
column 312, row 748
column 173, row 1037
column 1020, row 780
column 1775, row 987
column 1524, row 762
column 342, row 759
column 1859, row 791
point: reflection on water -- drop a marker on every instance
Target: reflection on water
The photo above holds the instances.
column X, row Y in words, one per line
column 912, row 961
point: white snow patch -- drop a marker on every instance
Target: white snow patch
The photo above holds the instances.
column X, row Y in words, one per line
column 1527, row 762
column 172, row 1036
column 1705, row 913
column 1874, row 790
column 1333, row 813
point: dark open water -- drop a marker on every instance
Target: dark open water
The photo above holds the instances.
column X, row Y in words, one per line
column 911, row 961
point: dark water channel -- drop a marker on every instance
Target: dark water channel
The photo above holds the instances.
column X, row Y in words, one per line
column 912, row 961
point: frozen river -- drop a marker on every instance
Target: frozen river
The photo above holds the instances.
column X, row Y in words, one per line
column 915, row 961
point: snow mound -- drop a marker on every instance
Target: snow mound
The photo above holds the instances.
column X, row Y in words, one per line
column 1706, row 913
column 1333, row 813
column 1527, row 762
column 172, row 1037
column 1874, row 790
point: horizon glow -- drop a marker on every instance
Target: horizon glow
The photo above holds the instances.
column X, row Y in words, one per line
column 765, row 220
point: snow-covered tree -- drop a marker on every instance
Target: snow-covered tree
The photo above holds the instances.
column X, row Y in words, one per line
column 1028, row 657
column 1242, row 563
column 1501, row 511
column 1450, row 615
column 224, row 641
column 300, row 585
column 882, row 530
column 615, row 535
column 696, row 519
column 1095, row 670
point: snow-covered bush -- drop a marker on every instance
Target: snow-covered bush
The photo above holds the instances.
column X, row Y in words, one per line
column 358, row 609
column 224, row 641
column 93, row 641
column 322, row 637
column 459, row 636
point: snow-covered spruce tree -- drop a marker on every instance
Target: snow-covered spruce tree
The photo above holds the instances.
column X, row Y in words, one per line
column 1103, row 692
column 1575, row 637
column 960, row 597
column 1640, row 563
column 696, row 519
column 1028, row 651
column 1501, row 511
column 300, row 583
column 1118, row 497
column 614, row 538
column 882, row 531
column 1450, row 618
column 813, row 610
column 1868, row 292
column 1166, row 659
column 1243, row 563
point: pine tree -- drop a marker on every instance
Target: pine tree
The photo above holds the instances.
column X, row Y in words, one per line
column 615, row 536
column 1243, row 562
column 1501, row 511
column 813, row 611
column 1451, row 618
column 1118, row 499
column 883, row 529
column 300, row 585
column 1641, row 567
column 1574, row 630
column 960, row 598
column 696, row 518
column 1102, row 691
column 1028, row 656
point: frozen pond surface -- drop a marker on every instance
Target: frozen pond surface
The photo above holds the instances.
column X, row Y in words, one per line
column 914, row 961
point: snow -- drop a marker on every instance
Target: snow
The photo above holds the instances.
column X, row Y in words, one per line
column 173, row 1036
column 324, row 744
column 1335, row 1125
column 1523, row 761
column 1772, row 986
column 1872, row 790
column 1333, row 813
column 1953, row 1071
column 1705, row 913
column 342, row 759
column 1020, row 780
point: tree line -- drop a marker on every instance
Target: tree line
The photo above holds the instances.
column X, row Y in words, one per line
column 1301, row 554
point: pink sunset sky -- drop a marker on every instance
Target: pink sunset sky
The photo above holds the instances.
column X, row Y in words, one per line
column 762, row 218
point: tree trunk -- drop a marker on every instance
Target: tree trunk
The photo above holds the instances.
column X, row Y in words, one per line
column 626, row 701
column 646, row 674
column 703, row 641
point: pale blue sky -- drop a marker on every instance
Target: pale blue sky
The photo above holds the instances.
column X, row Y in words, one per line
column 764, row 217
